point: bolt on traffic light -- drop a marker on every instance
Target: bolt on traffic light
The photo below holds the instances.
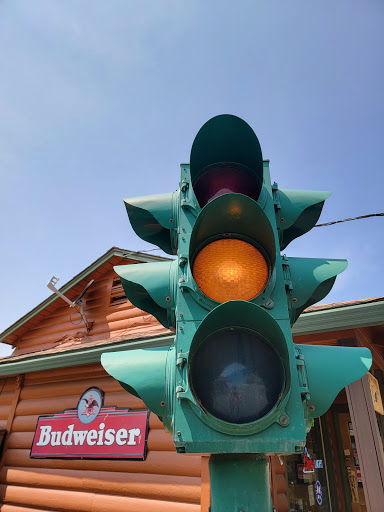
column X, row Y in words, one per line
column 234, row 381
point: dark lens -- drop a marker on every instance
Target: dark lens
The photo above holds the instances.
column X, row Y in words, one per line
column 236, row 375
column 221, row 180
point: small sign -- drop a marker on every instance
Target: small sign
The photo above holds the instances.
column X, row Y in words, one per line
column 309, row 464
column 375, row 393
column 92, row 431
column 300, row 471
column 319, row 492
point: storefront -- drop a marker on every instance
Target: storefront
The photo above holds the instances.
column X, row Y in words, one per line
column 56, row 362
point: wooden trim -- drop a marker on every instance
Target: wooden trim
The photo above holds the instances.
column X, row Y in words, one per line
column 364, row 341
column 205, row 501
column 80, row 356
column 12, row 411
column 335, row 411
column 273, row 473
column 368, row 442
column 333, row 463
column 336, row 319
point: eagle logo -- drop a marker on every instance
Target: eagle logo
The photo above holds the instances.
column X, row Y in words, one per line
column 89, row 405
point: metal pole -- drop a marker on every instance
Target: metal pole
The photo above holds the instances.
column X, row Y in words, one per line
column 240, row 483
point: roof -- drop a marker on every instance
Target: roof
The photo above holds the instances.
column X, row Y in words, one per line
column 333, row 305
column 73, row 288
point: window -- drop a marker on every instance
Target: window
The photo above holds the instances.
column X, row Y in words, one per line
column 117, row 293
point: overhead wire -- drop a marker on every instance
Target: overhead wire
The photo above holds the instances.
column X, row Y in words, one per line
column 381, row 214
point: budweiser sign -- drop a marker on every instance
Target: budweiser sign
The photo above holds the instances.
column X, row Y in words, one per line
column 92, row 431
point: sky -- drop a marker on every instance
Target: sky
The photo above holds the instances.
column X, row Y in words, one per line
column 102, row 100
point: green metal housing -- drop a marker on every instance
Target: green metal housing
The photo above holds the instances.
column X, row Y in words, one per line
column 329, row 370
column 154, row 219
column 299, row 210
column 240, row 314
column 226, row 139
column 312, row 279
column 151, row 287
column 146, row 374
column 168, row 291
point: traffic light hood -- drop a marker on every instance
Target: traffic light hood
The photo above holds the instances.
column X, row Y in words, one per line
column 233, row 216
column 258, row 341
column 226, row 151
column 329, row 370
column 299, row 212
column 154, row 219
column 150, row 287
column 312, row 279
column 143, row 373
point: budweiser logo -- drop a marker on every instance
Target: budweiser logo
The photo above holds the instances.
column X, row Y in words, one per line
column 89, row 437
column 117, row 433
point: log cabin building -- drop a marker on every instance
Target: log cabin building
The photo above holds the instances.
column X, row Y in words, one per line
column 56, row 358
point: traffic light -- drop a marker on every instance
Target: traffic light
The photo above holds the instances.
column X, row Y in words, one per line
column 233, row 382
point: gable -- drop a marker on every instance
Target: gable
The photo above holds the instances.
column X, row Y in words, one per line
column 55, row 324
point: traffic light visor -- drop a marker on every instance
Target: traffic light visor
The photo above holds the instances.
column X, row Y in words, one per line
column 327, row 377
column 238, row 376
column 232, row 249
column 238, row 368
column 146, row 373
column 154, row 219
column 230, row 269
column 226, row 157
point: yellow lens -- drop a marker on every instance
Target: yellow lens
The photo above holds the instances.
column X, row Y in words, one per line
column 230, row 269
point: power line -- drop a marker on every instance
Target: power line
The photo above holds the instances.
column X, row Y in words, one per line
column 352, row 218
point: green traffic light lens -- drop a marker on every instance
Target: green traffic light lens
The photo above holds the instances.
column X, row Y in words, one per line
column 236, row 375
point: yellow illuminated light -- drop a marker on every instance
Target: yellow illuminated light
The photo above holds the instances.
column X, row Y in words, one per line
column 230, row 269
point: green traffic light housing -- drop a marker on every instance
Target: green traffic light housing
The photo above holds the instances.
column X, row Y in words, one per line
column 154, row 219
column 238, row 368
column 233, row 382
column 151, row 287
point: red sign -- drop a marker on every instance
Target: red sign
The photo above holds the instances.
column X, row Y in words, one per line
column 309, row 464
column 92, row 431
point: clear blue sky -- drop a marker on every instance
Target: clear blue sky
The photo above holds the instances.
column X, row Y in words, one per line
column 101, row 101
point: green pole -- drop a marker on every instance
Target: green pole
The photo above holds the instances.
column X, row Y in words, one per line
column 240, row 483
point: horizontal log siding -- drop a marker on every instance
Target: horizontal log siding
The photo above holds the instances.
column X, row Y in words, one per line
column 165, row 482
column 7, row 389
column 63, row 325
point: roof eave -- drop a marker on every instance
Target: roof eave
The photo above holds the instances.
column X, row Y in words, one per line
column 79, row 356
column 340, row 318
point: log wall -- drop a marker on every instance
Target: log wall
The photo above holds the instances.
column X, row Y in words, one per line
column 164, row 482
column 61, row 326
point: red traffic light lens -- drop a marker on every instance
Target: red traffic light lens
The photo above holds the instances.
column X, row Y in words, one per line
column 220, row 180
column 230, row 269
